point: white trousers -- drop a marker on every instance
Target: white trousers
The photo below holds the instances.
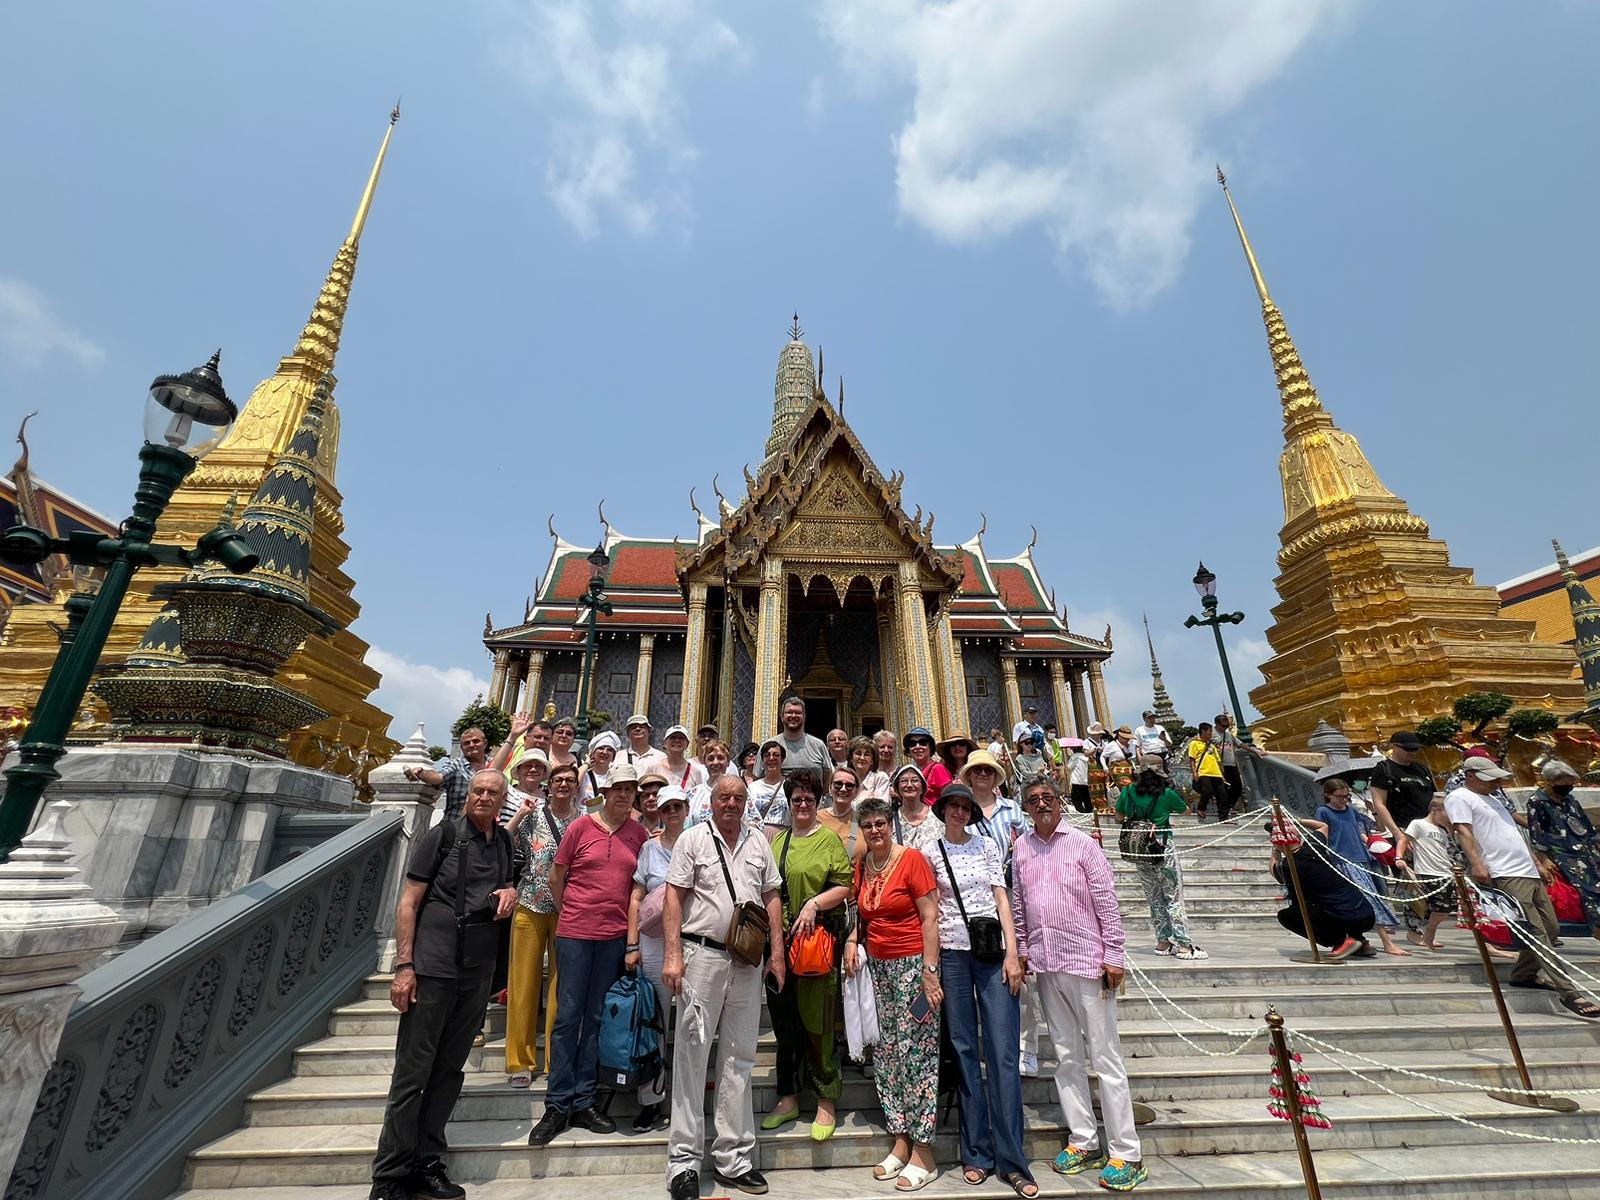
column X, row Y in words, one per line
column 1029, row 999
column 721, row 1002
column 1075, row 1012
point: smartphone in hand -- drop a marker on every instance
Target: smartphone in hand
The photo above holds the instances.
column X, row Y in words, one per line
column 921, row 1010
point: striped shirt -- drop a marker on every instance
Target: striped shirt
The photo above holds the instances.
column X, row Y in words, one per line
column 1064, row 902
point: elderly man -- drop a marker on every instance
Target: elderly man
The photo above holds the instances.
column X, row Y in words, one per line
column 1064, row 901
column 1497, row 856
column 460, row 883
column 454, row 774
column 640, row 753
column 715, row 867
column 1029, row 725
column 801, row 750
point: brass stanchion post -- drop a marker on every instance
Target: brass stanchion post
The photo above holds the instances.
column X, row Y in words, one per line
column 1294, row 878
column 1528, row 1098
column 1291, row 1099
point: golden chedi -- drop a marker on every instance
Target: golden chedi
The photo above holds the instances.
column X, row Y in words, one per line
column 1374, row 629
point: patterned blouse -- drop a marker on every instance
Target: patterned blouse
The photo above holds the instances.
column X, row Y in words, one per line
column 537, row 839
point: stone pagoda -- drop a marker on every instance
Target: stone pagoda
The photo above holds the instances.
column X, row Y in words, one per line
column 1374, row 629
column 1161, row 703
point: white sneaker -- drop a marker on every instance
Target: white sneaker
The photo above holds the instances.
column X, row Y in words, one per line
column 1029, row 1066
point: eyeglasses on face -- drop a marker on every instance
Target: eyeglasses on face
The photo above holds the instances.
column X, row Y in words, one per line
column 802, row 798
column 923, row 742
column 845, row 785
column 869, row 826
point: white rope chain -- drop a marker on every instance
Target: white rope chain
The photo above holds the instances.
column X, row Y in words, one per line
column 1330, row 1049
column 1439, row 1112
column 1413, row 889
column 1549, row 957
column 1146, row 986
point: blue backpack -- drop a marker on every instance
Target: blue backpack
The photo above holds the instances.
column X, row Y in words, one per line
column 630, row 1034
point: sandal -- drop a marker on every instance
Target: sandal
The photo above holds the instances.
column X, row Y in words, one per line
column 1020, row 1184
column 1579, row 1007
column 1167, row 950
column 913, row 1178
column 967, row 1174
column 888, row 1169
column 1189, row 953
column 522, row 1079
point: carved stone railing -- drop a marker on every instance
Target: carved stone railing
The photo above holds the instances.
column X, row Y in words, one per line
column 1294, row 785
column 171, row 1036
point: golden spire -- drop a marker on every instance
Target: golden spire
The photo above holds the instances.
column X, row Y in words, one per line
column 319, row 340
column 1302, row 411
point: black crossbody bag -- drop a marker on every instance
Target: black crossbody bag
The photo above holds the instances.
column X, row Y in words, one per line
column 984, row 934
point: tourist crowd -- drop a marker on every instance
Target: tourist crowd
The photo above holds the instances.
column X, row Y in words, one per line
column 924, row 893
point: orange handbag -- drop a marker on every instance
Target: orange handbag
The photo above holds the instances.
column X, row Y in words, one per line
column 811, row 954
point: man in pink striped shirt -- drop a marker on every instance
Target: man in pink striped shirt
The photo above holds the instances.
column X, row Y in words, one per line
column 1064, row 898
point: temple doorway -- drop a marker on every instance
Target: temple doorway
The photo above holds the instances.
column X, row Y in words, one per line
column 822, row 714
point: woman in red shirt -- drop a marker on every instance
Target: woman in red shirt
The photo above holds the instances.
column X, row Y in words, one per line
column 899, row 920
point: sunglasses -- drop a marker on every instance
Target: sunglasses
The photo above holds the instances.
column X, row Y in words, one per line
column 841, row 785
column 870, row 825
column 923, row 742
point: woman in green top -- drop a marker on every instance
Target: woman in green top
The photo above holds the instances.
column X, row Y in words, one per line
column 816, row 883
column 1151, row 798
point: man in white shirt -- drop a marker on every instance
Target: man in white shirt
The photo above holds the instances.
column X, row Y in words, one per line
column 1153, row 738
column 1498, row 857
column 1029, row 725
column 640, row 752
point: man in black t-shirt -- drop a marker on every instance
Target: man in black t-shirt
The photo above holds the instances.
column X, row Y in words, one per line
column 1402, row 786
column 460, row 884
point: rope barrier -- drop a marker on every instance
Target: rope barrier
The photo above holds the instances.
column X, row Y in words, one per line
column 1413, row 889
column 1148, row 987
column 1331, row 1049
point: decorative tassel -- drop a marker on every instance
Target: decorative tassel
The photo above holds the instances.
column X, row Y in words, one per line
column 1311, row 1115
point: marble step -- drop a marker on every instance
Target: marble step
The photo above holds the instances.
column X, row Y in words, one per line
column 1438, row 1173
column 372, row 1054
column 359, row 1099
column 1356, row 999
column 483, row 1150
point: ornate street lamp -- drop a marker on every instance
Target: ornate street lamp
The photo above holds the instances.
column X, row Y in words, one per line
column 1205, row 582
column 186, row 416
column 595, row 598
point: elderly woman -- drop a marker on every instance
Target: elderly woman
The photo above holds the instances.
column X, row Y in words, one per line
column 980, row 993
column 863, row 760
column 647, row 803
column 766, row 793
column 919, row 747
column 536, row 831
column 887, row 746
column 647, row 950
column 562, row 735
column 603, row 748
column 749, row 762
column 591, row 882
column 714, row 758
column 528, row 777
column 914, row 824
column 1561, row 830
column 682, row 772
column 1151, row 798
column 815, row 874
column 899, row 919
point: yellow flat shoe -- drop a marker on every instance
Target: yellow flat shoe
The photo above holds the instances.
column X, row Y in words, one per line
column 778, row 1120
column 821, row 1132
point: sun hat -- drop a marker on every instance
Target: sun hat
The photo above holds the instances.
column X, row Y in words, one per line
column 1124, row 730
column 637, row 719
column 952, row 739
column 920, row 731
column 1152, row 762
column 981, row 758
column 957, row 791
column 1072, row 743
column 653, row 776
column 894, row 780
column 670, row 793
column 621, row 773
column 672, row 729
column 608, row 738
column 535, row 755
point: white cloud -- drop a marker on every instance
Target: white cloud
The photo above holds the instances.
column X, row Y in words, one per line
column 1085, row 119
column 608, row 76
column 30, row 331
column 413, row 692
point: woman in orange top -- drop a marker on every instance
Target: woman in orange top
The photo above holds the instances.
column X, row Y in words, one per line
column 899, row 920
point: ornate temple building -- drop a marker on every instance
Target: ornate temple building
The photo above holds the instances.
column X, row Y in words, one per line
column 331, row 671
column 25, row 499
column 1541, row 596
column 1374, row 629
column 817, row 582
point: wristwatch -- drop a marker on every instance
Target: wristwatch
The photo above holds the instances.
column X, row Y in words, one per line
column 405, row 966
column 931, row 970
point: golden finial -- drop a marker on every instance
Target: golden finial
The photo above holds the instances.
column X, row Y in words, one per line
column 1565, row 566
column 372, row 180
column 1244, row 240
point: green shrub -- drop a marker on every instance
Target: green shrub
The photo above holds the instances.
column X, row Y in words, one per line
column 1480, row 708
column 1438, row 731
column 1531, row 722
column 494, row 721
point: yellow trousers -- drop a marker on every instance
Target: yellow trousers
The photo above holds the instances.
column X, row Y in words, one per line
column 533, row 936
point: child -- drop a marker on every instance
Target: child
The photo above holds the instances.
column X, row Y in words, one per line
column 1427, row 847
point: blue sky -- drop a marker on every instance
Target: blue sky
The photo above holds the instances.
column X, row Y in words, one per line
column 998, row 219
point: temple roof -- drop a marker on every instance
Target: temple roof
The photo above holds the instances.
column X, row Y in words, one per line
column 62, row 515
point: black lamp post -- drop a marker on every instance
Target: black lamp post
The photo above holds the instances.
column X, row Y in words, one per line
column 186, row 416
column 594, row 596
column 1205, row 582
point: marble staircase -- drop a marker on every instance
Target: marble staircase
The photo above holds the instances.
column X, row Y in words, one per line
column 311, row 1135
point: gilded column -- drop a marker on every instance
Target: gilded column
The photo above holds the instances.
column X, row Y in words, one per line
column 914, row 636
column 497, row 680
column 1008, row 676
column 890, row 672
column 641, row 674
column 1058, row 689
column 1097, row 688
column 770, row 620
column 535, row 673
column 514, row 669
column 694, row 658
column 953, row 689
column 1080, row 709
